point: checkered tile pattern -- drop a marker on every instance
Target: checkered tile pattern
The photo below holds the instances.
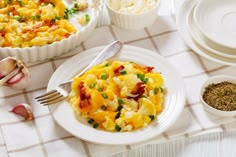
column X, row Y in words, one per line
column 42, row 137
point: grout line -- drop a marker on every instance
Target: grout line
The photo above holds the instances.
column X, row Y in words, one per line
column 23, row 149
column 86, row 148
column 22, row 121
column 63, row 57
column 219, row 68
column 192, row 104
column 152, row 41
column 194, row 75
column 223, row 127
column 165, row 135
column 195, row 117
column 140, row 39
column 37, row 64
column 112, row 32
column 201, row 63
column 128, row 147
column 186, row 135
column 151, row 36
column 17, row 94
column 54, row 67
column 83, row 46
column 4, row 140
column 206, row 72
column 192, row 134
column 35, row 145
column 164, row 33
column 27, row 100
column 55, row 140
column 177, row 53
column 173, row 17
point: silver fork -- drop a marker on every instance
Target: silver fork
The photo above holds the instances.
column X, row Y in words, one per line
column 62, row 91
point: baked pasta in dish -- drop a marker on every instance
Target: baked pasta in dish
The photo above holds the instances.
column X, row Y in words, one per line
column 118, row 96
column 27, row 23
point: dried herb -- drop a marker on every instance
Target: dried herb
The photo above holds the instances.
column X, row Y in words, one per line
column 221, row 96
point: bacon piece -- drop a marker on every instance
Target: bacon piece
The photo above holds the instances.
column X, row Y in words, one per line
column 13, row 10
column 67, row 35
column 145, row 69
column 45, row 1
column 48, row 23
column 84, row 96
column 138, row 90
column 118, row 69
column 34, row 28
column 2, row 33
column 53, row 28
column 148, row 69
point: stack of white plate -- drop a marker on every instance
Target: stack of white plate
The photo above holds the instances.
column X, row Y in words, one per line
column 209, row 28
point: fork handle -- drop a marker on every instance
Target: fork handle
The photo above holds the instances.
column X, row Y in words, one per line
column 107, row 52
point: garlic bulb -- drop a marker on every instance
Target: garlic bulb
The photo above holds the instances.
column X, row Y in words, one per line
column 13, row 73
column 23, row 110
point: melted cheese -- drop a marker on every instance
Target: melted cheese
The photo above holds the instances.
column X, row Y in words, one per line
column 28, row 23
column 120, row 96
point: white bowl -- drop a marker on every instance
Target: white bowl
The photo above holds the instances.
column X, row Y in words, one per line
column 132, row 21
column 204, row 42
column 41, row 53
column 216, row 20
column 217, row 79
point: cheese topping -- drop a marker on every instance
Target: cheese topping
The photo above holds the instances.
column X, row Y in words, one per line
column 27, row 23
column 118, row 96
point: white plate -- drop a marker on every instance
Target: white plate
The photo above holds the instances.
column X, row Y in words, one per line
column 173, row 103
column 182, row 17
column 216, row 20
column 204, row 42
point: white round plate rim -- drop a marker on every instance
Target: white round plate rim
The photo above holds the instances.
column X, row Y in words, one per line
column 201, row 40
column 212, row 8
column 174, row 99
column 181, row 20
column 216, row 79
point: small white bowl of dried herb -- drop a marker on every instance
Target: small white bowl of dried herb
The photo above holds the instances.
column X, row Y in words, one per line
column 218, row 95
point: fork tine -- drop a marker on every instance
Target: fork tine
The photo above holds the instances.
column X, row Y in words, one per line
column 51, row 98
column 46, row 94
column 46, row 103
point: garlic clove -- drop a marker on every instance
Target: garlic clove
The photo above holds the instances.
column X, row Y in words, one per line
column 7, row 65
column 23, row 110
column 12, row 78
column 16, row 78
column 19, row 81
